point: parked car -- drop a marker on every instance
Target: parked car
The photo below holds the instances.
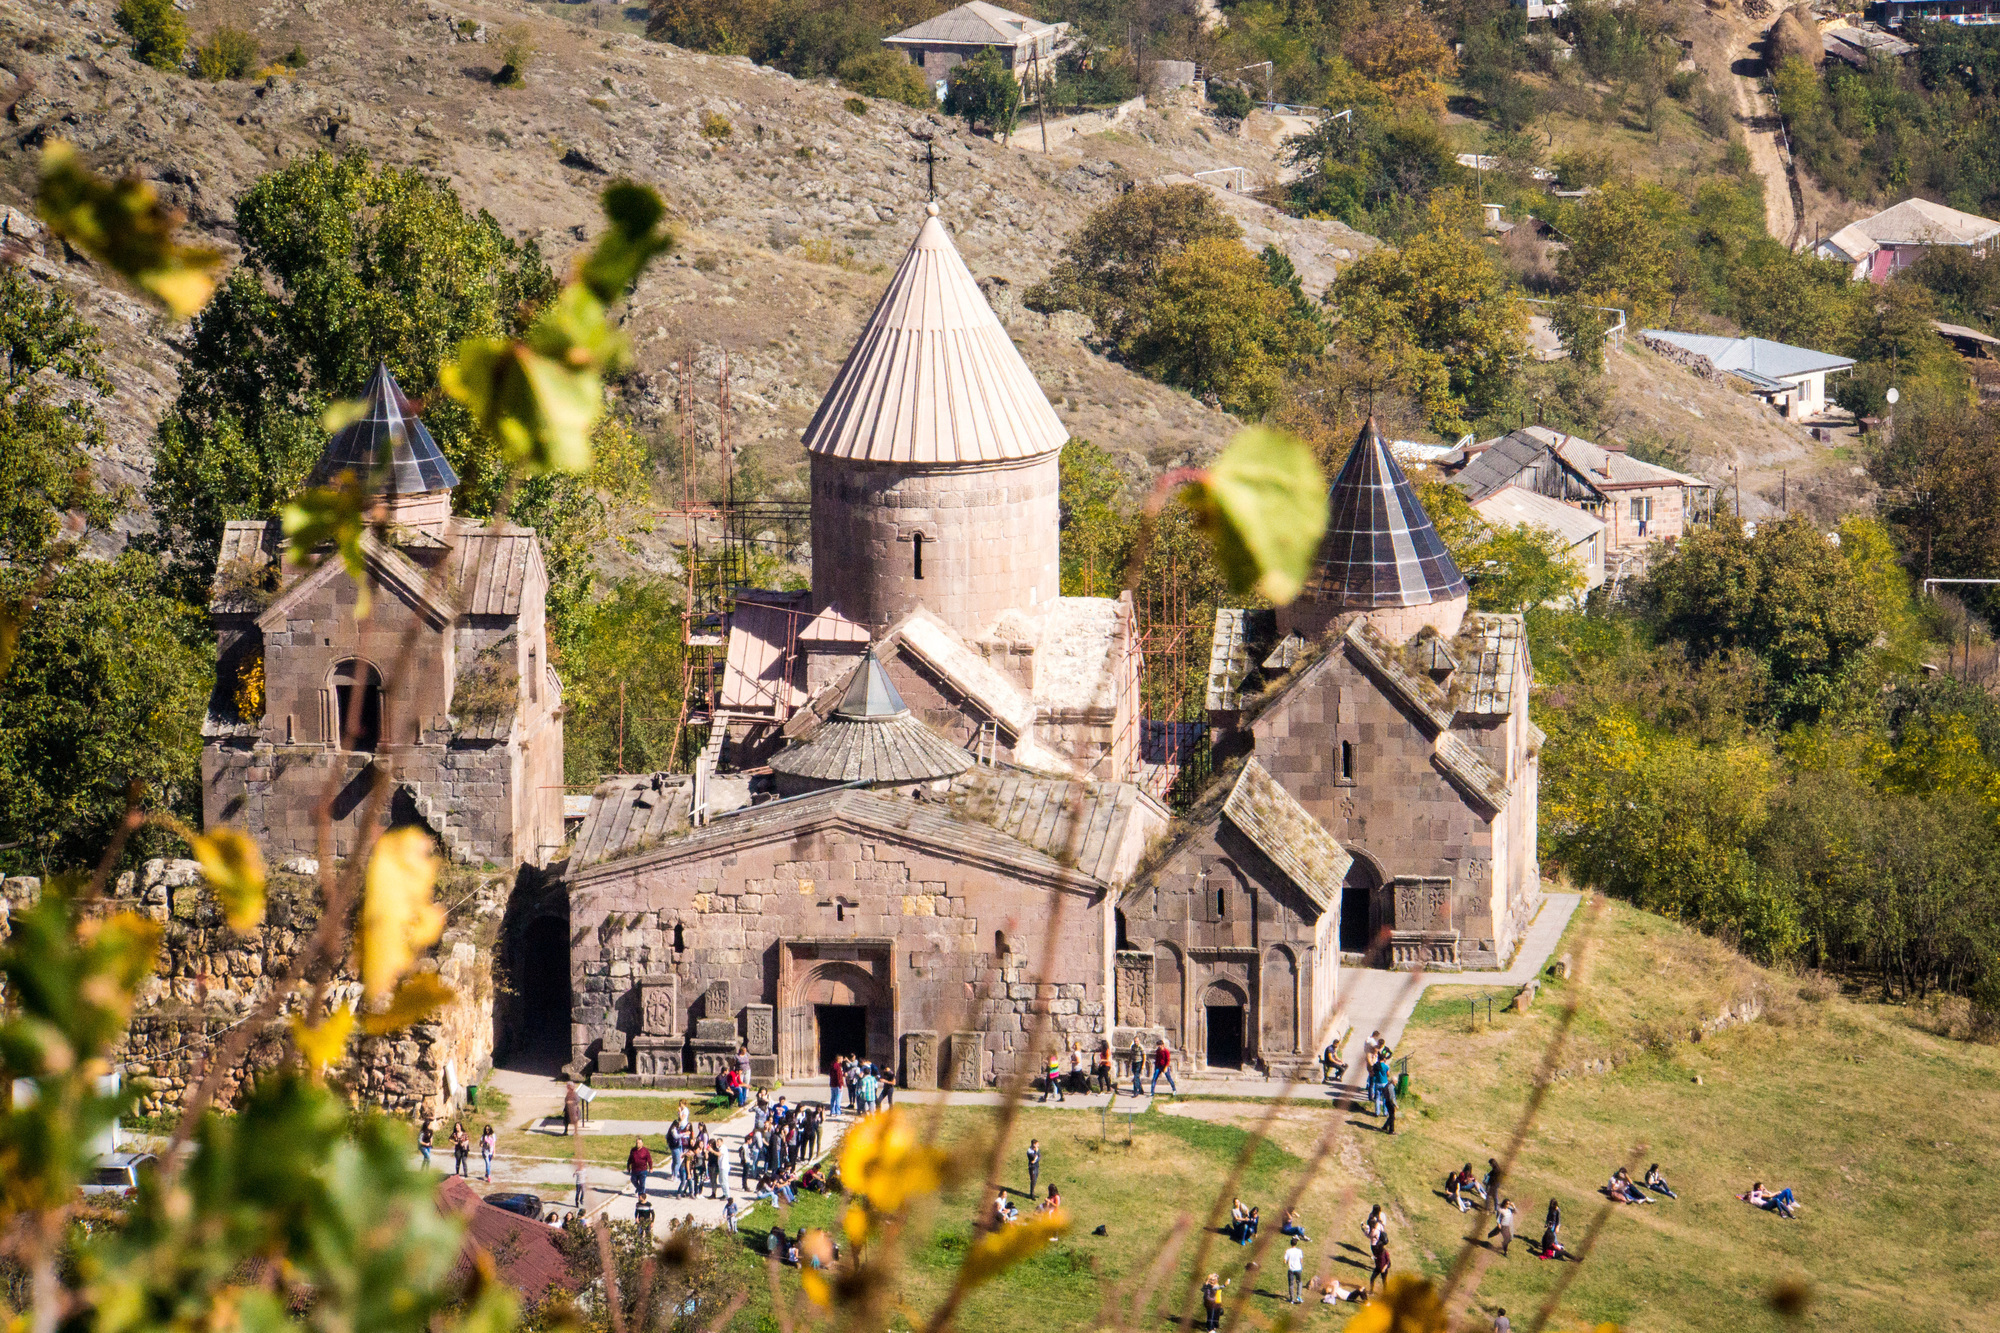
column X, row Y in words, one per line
column 119, row 1172
column 527, row 1205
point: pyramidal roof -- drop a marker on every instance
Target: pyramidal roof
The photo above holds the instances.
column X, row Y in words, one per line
column 872, row 738
column 1380, row 549
column 871, row 696
column 388, row 435
column 934, row 378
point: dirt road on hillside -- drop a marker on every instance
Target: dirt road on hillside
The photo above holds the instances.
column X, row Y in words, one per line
column 1757, row 112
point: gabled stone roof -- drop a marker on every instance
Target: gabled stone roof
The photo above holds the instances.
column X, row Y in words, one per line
column 630, row 813
column 1282, row 829
column 1380, row 549
column 1470, row 772
column 388, row 446
column 486, row 572
column 1080, row 824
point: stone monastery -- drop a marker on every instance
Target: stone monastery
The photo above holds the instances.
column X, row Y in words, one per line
column 920, row 816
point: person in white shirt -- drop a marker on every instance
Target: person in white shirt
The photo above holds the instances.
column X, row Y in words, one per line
column 1295, row 1272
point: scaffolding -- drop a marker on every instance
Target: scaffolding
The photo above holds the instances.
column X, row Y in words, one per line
column 1171, row 641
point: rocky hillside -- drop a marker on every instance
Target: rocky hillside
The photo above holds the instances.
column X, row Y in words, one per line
column 793, row 204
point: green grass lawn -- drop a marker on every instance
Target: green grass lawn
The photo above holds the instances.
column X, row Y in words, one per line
column 1888, row 1134
column 660, row 1107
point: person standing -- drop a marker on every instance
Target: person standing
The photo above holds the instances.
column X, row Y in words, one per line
column 638, row 1165
column 1104, row 1066
column 1501, row 1323
column 461, row 1149
column 1163, row 1067
column 1295, row 1272
column 1389, row 1101
column 715, row 1183
column 1211, row 1301
column 572, row 1109
column 676, row 1149
column 577, row 1171
column 836, row 1083
column 424, row 1143
column 743, row 1074
column 1138, row 1054
column 1034, row 1165
column 1379, row 1249
column 1505, row 1228
column 487, row 1141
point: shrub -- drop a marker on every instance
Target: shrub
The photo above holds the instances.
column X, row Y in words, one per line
column 1230, row 101
column 882, row 73
column 159, row 33
column 857, row 105
column 517, row 51
column 716, row 126
column 229, row 53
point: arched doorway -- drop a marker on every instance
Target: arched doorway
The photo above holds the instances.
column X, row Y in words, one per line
column 1225, row 1009
column 543, row 985
column 1357, row 908
column 846, row 1013
column 357, row 693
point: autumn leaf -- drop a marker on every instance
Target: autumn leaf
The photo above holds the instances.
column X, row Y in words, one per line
column 1263, row 504
column 398, row 919
column 1407, row 1305
column 884, row 1162
column 124, row 226
column 997, row 1251
column 321, row 1043
column 539, row 408
column 235, row 870
column 417, row 996
column 635, row 236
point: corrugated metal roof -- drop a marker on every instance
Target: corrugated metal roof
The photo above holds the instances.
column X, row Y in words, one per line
column 389, row 436
column 1285, row 831
column 973, row 24
column 1753, row 357
column 1512, row 506
column 1380, row 549
column 759, row 675
column 1609, row 466
column 1921, row 222
column 934, row 378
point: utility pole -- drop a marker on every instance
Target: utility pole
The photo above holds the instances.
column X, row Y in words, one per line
column 1737, row 478
column 1785, row 491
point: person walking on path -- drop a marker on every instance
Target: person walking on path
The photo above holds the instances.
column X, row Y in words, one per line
column 1138, row 1067
column 461, row 1149
column 424, row 1143
column 1054, row 1071
column 638, row 1165
column 1379, row 1249
column 572, row 1109
column 1295, row 1272
column 487, row 1141
column 577, row 1171
column 1163, row 1067
column 1505, row 1226
column 1034, row 1165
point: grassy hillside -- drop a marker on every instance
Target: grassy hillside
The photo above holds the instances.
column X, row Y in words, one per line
column 1885, row 1131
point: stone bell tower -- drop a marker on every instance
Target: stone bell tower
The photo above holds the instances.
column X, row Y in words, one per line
column 934, row 471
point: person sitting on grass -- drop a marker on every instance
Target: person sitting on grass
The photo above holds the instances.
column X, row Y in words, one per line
column 1451, row 1191
column 1004, row 1211
column 1655, row 1183
column 1239, row 1218
column 1784, row 1203
column 1051, row 1204
column 1250, row 1225
column 1621, row 1188
column 1292, row 1228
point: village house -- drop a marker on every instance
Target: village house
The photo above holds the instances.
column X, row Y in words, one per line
column 1791, row 379
column 445, row 681
column 1580, row 531
column 1025, row 45
column 1881, row 245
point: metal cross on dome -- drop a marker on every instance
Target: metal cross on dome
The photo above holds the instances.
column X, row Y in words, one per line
column 930, row 161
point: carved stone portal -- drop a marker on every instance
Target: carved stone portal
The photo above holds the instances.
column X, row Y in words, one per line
column 920, row 1064
column 967, row 1058
column 659, row 1005
column 1135, row 989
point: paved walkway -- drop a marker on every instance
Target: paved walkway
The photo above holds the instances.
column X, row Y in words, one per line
column 1379, row 1001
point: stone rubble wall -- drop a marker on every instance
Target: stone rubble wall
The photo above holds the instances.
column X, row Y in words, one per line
column 1693, row 362
column 210, row 980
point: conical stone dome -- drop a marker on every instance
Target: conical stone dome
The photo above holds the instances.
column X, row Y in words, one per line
column 870, row 738
column 1380, row 549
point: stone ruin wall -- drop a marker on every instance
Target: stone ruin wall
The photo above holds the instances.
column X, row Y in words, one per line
column 209, row 980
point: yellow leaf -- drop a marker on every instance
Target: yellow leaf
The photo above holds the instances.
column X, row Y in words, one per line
column 235, row 870
column 398, row 919
column 417, row 996
column 321, row 1043
column 1263, row 505
column 1408, row 1305
column 997, row 1251
column 333, row 515
column 123, row 225
column 818, row 1290
column 884, row 1162
column 855, row 1222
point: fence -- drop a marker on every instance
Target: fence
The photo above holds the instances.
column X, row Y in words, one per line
column 1614, row 337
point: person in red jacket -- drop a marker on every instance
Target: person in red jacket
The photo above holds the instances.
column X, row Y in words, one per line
column 638, row 1163
column 1163, row 1066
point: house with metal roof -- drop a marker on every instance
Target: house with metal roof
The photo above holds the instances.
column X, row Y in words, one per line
column 1580, row 531
column 1025, row 45
column 1878, row 246
column 1792, row 379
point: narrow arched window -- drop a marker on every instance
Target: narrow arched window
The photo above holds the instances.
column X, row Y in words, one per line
column 680, row 939
column 1221, row 903
column 1124, row 938
column 1347, row 761
column 917, row 552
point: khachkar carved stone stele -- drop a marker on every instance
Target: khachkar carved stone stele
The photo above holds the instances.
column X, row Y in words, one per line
column 1423, row 905
column 758, row 1029
column 1135, row 989
column 715, row 1000
column 967, row 1060
column 920, row 1063
column 659, row 1005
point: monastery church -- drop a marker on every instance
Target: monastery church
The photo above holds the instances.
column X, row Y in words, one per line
column 921, row 819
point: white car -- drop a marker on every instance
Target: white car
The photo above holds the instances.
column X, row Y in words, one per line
column 119, row 1172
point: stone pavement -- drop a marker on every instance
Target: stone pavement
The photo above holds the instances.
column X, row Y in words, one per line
column 1375, row 1000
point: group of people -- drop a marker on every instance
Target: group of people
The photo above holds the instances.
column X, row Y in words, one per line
column 866, row 1086
column 461, row 1147
column 782, row 1138
column 1078, row 1073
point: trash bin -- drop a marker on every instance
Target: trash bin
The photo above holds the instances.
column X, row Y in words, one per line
column 472, row 1094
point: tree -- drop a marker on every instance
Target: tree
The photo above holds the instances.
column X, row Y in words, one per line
column 1407, row 58
column 1939, row 472
column 1229, row 100
column 159, row 33
column 880, row 72
column 1581, row 329
column 1216, row 326
column 47, row 435
column 1513, row 569
column 1107, row 268
column 1098, row 525
column 1795, row 298
column 1621, row 250
column 727, row 27
column 1372, row 168
column 1896, row 346
column 1441, row 320
column 984, row 91
column 622, row 696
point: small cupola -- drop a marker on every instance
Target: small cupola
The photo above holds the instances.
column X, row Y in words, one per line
column 870, row 740
column 1434, row 656
column 390, row 450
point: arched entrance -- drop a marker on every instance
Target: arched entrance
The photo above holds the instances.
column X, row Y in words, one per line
column 1357, row 908
column 836, row 1007
column 1225, row 1008
column 544, row 988
column 357, row 693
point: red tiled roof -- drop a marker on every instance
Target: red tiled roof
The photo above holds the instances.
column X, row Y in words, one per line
column 524, row 1253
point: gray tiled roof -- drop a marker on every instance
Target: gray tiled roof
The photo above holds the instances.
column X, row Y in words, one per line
column 1286, row 831
column 1080, row 824
column 389, row 436
column 871, row 738
column 631, row 813
column 1241, row 640
column 1380, row 549
column 975, row 23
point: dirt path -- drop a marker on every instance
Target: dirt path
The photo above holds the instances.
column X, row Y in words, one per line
column 1757, row 112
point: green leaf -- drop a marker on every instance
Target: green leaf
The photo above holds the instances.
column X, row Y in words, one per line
column 235, row 870
column 330, row 514
column 541, row 411
column 634, row 237
column 1263, row 504
column 124, row 226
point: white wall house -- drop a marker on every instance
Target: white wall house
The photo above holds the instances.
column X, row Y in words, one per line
column 1792, row 379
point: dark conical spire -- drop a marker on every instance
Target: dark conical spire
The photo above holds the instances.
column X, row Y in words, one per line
column 389, row 436
column 871, row 695
column 1380, row 549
